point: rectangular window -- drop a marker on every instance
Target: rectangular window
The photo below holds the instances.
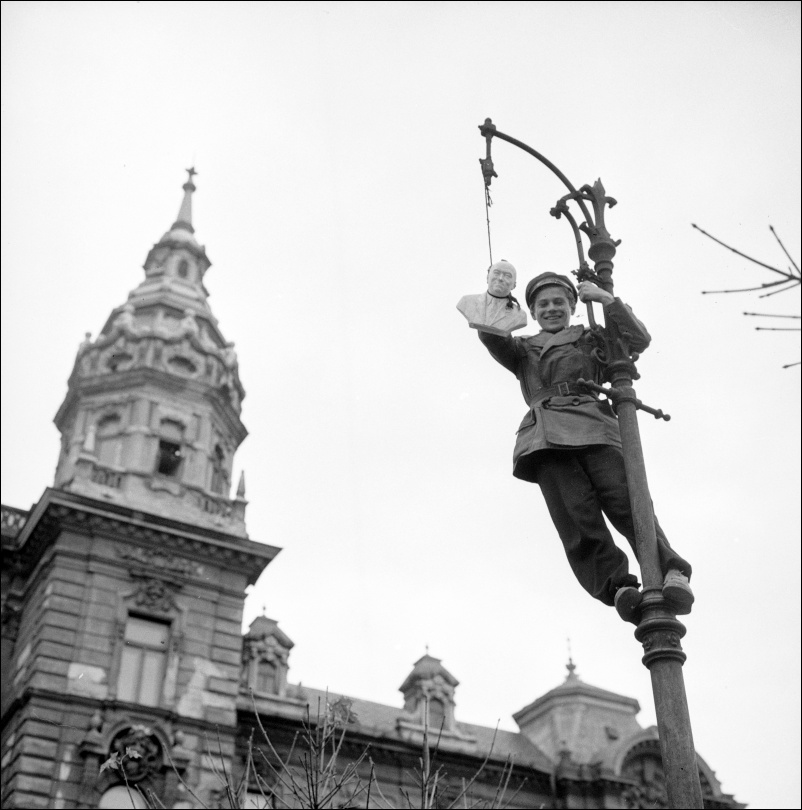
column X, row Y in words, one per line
column 143, row 661
column 169, row 460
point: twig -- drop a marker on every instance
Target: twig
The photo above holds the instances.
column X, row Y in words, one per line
column 378, row 787
column 792, row 278
column 481, row 767
column 232, row 799
column 774, row 292
column 739, row 253
column 779, row 242
column 770, row 315
column 181, row 780
column 763, row 286
column 291, row 784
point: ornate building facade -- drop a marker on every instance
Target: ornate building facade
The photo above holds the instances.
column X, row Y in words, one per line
column 123, row 660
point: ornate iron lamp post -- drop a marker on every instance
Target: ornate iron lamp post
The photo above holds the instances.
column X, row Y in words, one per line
column 659, row 631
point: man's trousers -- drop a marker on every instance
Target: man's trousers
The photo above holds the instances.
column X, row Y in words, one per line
column 578, row 486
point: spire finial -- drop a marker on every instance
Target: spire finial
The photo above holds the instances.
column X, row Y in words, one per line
column 570, row 666
column 241, row 487
column 185, row 212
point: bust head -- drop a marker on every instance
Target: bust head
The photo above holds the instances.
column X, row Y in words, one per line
column 501, row 279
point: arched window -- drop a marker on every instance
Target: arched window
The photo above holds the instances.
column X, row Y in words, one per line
column 109, row 442
column 437, row 714
column 267, row 678
column 183, row 268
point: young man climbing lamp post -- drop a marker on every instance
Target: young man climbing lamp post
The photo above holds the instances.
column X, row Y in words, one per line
column 587, row 458
column 569, row 443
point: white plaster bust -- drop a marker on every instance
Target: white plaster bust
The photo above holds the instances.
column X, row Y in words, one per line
column 495, row 311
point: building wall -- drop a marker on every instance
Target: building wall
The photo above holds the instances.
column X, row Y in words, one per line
column 62, row 708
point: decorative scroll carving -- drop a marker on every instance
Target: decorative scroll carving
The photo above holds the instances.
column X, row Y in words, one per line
column 161, row 560
column 12, row 520
column 178, row 348
column 651, row 791
column 154, row 595
column 147, row 758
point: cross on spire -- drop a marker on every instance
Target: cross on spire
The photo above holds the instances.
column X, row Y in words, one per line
column 184, row 219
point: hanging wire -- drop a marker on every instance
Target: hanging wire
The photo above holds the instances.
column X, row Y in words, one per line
column 488, row 173
column 488, row 203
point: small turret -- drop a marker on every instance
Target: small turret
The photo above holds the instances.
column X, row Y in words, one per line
column 430, row 682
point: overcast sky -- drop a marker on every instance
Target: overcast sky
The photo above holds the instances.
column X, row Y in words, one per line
column 340, row 200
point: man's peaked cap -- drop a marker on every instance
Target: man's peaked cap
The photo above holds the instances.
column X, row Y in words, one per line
column 548, row 280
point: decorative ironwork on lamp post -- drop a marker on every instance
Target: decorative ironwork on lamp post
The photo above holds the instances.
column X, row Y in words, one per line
column 659, row 631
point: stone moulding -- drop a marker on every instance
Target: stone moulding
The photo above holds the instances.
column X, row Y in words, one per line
column 58, row 510
column 180, row 352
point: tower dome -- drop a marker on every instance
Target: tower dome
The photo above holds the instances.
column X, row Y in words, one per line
column 152, row 413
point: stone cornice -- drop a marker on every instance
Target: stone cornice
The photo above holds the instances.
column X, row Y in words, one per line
column 149, row 533
column 117, row 709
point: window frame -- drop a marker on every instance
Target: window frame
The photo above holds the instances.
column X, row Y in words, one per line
column 142, row 660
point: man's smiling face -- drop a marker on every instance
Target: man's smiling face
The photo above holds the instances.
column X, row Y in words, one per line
column 553, row 308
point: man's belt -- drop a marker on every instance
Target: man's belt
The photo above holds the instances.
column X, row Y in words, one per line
column 563, row 389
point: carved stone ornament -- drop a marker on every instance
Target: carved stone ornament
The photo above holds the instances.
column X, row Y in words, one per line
column 154, row 595
column 650, row 793
column 644, row 765
column 161, row 560
column 268, row 650
column 140, row 752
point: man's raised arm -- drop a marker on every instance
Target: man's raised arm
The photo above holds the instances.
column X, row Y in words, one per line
column 503, row 348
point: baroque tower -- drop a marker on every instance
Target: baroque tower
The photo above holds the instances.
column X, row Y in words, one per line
column 152, row 415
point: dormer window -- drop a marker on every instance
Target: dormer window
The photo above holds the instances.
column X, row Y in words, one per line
column 429, row 695
column 437, row 714
column 170, row 455
column 265, row 653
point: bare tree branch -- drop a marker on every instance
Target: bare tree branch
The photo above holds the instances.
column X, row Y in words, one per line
column 739, row 253
column 779, row 242
column 790, row 279
column 771, row 315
